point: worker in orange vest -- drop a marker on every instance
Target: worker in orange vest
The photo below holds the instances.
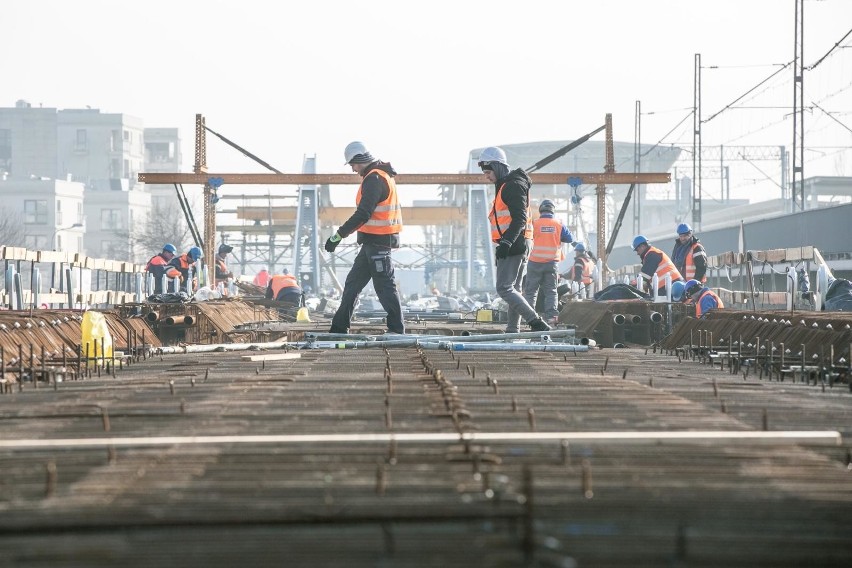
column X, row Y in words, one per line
column 378, row 222
column 581, row 271
column 704, row 298
column 654, row 261
column 512, row 232
column 284, row 288
column 222, row 272
column 548, row 235
column 158, row 263
column 689, row 255
column 262, row 278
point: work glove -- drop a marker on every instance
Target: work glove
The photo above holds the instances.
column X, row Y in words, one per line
column 502, row 249
column 332, row 242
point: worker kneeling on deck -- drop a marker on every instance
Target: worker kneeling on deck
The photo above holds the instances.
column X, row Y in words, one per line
column 179, row 266
column 378, row 221
column 284, row 288
column 158, row 264
column 654, row 261
column 703, row 297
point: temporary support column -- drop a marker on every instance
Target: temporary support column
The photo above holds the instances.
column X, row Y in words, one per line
column 609, row 168
column 209, row 207
column 305, row 257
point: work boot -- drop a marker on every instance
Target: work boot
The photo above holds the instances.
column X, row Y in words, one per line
column 538, row 324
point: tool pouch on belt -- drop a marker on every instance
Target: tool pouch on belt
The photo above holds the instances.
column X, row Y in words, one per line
column 381, row 263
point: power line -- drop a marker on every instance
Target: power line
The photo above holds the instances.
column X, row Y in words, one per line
column 835, row 46
column 738, row 99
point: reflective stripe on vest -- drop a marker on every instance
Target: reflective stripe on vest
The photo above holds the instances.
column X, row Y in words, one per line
column 666, row 266
column 501, row 218
column 547, row 240
column 281, row 281
column 387, row 216
column 719, row 303
column 689, row 263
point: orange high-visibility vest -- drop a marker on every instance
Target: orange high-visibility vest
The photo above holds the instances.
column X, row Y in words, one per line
column 547, row 240
column 387, row 217
column 713, row 294
column 666, row 266
column 501, row 218
column 281, row 281
column 588, row 268
column 689, row 264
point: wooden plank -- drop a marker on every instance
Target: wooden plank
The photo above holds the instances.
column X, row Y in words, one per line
column 14, row 253
column 271, row 357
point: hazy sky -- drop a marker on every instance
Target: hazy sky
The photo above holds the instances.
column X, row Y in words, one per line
column 424, row 82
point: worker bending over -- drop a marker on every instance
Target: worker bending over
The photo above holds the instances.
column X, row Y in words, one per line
column 654, row 261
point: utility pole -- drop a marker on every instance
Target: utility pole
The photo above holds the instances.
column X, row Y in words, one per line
column 799, row 108
column 696, row 145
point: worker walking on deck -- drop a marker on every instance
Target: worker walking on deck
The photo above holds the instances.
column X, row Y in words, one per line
column 548, row 235
column 654, row 261
column 378, row 221
column 581, row 272
column 512, row 232
column 703, row 297
column 688, row 255
column 156, row 266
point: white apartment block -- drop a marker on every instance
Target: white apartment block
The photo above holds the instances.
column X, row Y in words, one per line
column 70, row 176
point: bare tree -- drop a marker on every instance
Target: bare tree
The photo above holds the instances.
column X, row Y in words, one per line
column 163, row 225
column 12, row 231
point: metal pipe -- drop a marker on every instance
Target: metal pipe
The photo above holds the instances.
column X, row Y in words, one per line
column 635, row 319
column 152, row 316
column 588, row 341
column 656, row 317
column 558, row 347
column 619, row 319
column 180, row 320
column 729, row 437
column 169, row 350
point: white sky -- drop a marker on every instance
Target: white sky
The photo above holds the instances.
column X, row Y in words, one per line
column 424, row 82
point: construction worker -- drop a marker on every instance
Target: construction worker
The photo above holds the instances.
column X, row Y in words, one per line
column 157, row 265
column 581, row 271
column 261, row 278
column 179, row 266
column 512, row 232
column 704, row 298
column 654, row 261
column 378, row 221
column 284, row 288
column 542, row 275
column 222, row 272
column 689, row 255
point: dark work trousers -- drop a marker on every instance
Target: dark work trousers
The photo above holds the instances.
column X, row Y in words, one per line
column 372, row 262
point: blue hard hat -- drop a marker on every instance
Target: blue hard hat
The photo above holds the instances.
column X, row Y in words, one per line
column 678, row 288
column 639, row 240
column 692, row 287
column 169, row 247
column 579, row 247
column 683, row 229
column 195, row 253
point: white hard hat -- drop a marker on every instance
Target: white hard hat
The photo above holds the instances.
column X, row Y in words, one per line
column 493, row 154
column 357, row 153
